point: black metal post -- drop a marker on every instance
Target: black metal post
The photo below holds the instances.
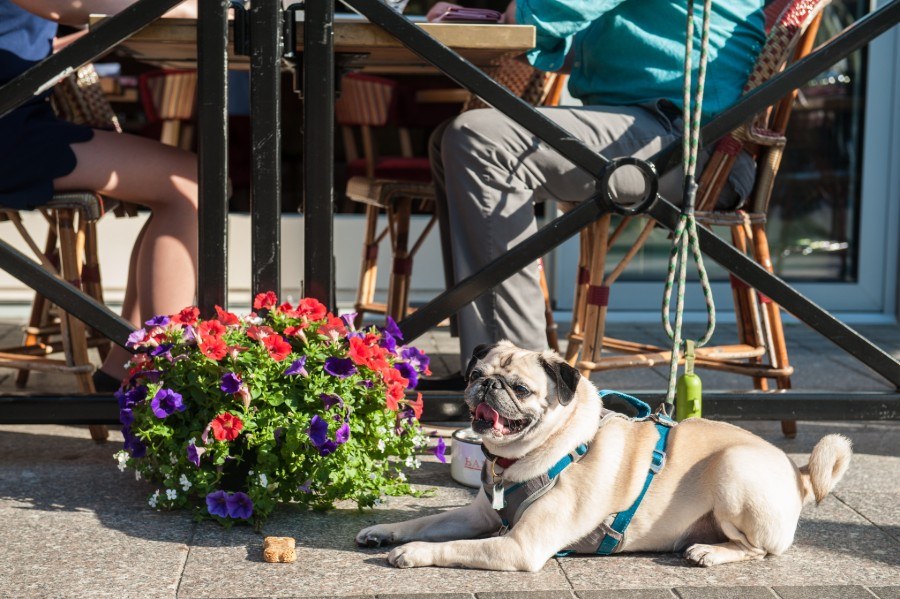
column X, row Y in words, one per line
column 63, row 293
column 101, row 38
column 473, row 79
column 265, row 131
column 212, row 121
column 318, row 151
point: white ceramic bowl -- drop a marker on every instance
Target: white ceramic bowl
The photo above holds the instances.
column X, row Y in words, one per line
column 466, row 458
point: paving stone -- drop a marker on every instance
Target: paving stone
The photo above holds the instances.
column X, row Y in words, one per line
column 719, row 592
column 886, row 592
column 526, row 595
column 823, row 592
column 626, row 594
column 881, row 508
column 427, row 596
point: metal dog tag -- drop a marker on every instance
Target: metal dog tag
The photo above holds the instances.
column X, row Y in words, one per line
column 499, row 500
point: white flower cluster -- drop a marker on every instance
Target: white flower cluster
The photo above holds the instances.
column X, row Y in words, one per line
column 381, row 445
column 263, row 481
column 122, row 458
column 171, row 494
column 184, row 482
column 154, row 499
column 412, row 462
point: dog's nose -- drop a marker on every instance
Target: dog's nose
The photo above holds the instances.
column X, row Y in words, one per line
column 496, row 384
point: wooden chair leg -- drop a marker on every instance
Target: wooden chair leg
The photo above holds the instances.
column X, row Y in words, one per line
column 398, row 290
column 552, row 337
column 40, row 311
column 595, row 303
column 90, row 278
column 368, row 271
column 746, row 308
column 73, row 331
column 582, row 279
column 779, row 343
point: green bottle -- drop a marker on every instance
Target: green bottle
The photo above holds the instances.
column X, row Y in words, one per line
column 689, row 390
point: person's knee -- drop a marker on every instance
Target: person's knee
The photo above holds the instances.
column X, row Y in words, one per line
column 473, row 132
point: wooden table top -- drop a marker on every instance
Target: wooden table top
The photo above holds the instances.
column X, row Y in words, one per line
column 172, row 43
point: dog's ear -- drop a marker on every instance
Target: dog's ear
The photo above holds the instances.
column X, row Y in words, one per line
column 478, row 353
column 565, row 377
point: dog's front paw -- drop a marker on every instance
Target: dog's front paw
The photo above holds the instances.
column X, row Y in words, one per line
column 375, row 536
column 702, row 555
column 411, row 555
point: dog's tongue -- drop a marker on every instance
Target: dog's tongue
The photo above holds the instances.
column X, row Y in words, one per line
column 486, row 412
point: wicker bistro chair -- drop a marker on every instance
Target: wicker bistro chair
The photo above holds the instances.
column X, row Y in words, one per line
column 761, row 352
column 394, row 183
column 70, row 252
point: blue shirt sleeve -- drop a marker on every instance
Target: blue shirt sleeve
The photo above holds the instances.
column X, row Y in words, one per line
column 556, row 23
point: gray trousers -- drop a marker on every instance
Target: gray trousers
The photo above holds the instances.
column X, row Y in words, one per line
column 489, row 172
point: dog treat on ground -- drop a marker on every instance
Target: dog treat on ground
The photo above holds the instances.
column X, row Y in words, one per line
column 279, row 550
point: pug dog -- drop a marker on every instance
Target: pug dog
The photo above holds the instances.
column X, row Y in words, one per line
column 722, row 494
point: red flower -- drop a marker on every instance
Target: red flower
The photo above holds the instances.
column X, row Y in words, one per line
column 187, row 316
column 278, row 348
column 286, row 307
column 210, row 328
column 213, row 348
column 259, row 333
column 417, row 406
column 312, row 308
column 226, row 317
column 265, row 301
column 396, row 386
column 295, row 332
column 226, row 426
column 359, row 351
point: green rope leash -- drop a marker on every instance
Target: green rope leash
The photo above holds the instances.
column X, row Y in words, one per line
column 686, row 231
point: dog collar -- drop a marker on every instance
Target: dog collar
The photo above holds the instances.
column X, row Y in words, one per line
column 499, row 461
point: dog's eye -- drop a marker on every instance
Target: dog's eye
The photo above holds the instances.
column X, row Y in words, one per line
column 476, row 374
column 521, row 390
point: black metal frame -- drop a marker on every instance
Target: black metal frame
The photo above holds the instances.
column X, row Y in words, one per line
column 318, row 86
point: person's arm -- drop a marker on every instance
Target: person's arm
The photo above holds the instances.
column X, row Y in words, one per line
column 556, row 23
column 76, row 12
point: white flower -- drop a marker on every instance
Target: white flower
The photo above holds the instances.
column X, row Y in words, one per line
column 410, row 462
column 381, row 445
column 251, row 473
column 401, row 477
column 171, row 494
column 137, row 475
column 263, row 481
column 184, row 482
column 173, row 460
column 122, row 458
column 153, row 499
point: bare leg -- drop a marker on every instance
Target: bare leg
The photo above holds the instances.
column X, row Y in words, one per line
column 162, row 275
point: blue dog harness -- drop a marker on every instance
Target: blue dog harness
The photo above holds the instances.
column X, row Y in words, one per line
column 512, row 499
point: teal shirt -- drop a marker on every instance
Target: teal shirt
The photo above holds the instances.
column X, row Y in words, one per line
column 632, row 51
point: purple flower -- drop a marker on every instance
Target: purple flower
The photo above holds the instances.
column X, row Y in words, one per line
column 391, row 328
column 297, row 367
column 343, row 434
column 131, row 397
column 389, row 343
column 409, row 373
column 239, row 506
column 164, row 350
column 305, row 487
column 277, row 435
column 204, row 436
column 318, row 434
column 151, row 376
column 231, row 383
column 416, row 358
column 158, row 321
column 330, row 400
column 439, row 450
column 194, row 453
column 217, row 504
column 135, row 338
column 132, row 444
column 348, row 320
column 340, row 367
column 189, row 336
column 318, row 431
column 126, row 416
column 166, row 402
column 367, row 383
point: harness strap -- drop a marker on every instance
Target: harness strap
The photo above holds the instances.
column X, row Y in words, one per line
column 615, row 536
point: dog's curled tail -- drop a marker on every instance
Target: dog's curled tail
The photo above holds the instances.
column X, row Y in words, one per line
column 828, row 462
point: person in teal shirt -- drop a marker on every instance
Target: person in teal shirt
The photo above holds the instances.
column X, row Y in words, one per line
column 626, row 60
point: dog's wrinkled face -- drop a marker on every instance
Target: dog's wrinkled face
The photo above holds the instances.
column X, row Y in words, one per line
column 513, row 393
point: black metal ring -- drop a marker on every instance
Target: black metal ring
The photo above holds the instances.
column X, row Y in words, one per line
column 650, row 178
